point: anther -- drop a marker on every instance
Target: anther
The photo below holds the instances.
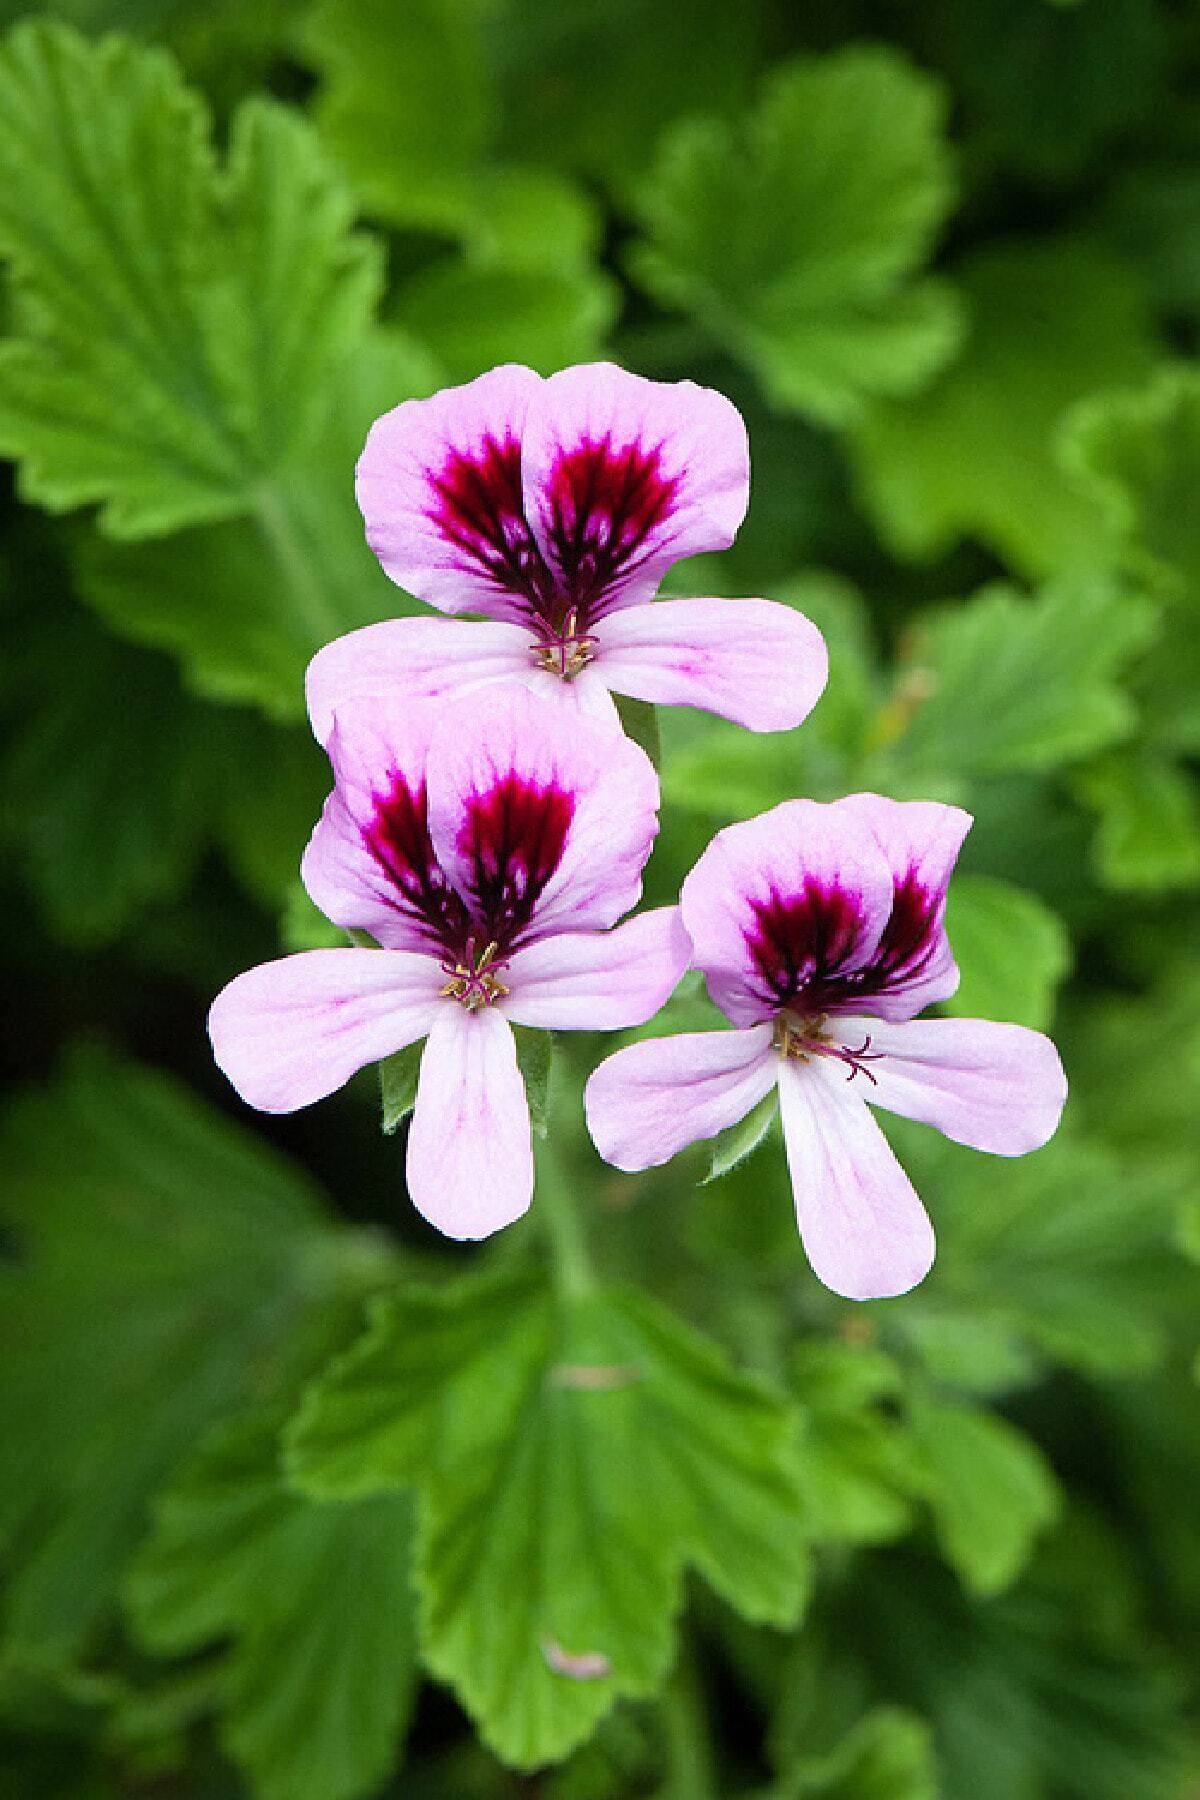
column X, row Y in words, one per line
column 806, row 1038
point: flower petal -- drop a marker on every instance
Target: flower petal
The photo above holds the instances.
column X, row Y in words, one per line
column 470, row 1148
column 585, row 694
column 754, row 661
column 996, row 1087
column 623, row 476
column 864, row 1229
column 789, row 898
column 370, row 864
column 921, row 839
column 439, row 485
column 648, row 1101
column 542, row 817
column 289, row 1032
column 599, row 980
column 420, row 659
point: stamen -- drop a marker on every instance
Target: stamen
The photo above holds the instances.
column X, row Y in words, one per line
column 804, row 1038
column 472, row 982
column 566, row 652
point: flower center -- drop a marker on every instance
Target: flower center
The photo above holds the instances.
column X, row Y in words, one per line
column 566, row 651
column 805, row 1038
column 473, row 981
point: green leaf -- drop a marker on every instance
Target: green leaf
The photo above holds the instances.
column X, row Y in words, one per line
column 888, row 1755
column 569, row 1462
column 1148, row 838
column 404, row 103
column 639, row 721
column 398, row 1077
column 180, row 330
column 1138, row 454
column 114, row 782
column 1066, row 1254
column 1151, row 216
column 715, row 768
column 591, row 86
column 975, row 455
column 794, row 244
column 532, row 221
column 97, row 846
column 245, row 604
column 1053, row 1687
column 263, row 823
column 855, row 1463
column 167, row 1257
column 1013, row 952
column 474, row 317
column 319, row 1679
column 1014, row 683
column 990, row 1489
column 1043, row 89
column 535, row 1057
column 1143, row 1103
column 303, row 926
column 732, row 1147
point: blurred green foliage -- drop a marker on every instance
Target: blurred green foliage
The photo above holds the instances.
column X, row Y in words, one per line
column 298, row 1502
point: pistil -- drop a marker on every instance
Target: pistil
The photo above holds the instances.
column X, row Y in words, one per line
column 472, row 981
column 805, row 1038
column 566, row 652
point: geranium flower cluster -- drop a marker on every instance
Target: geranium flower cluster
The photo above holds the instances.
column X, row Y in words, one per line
column 490, row 822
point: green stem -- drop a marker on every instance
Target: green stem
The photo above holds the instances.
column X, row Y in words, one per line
column 563, row 1227
column 310, row 602
column 693, row 1773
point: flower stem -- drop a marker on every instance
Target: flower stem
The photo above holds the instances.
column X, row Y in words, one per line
column 562, row 1227
column 693, row 1774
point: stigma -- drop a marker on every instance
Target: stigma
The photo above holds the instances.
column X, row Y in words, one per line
column 565, row 652
column 473, row 981
column 806, row 1038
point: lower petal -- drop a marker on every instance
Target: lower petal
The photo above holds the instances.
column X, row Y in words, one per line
column 864, row 1230
column 422, row 659
column 602, row 980
column 470, row 1150
column 585, row 693
column 290, row 1032
column 996, row 1087
column 756, row 662
column 648, row 1101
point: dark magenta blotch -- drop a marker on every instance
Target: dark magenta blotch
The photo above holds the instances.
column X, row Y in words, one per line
column 513, row 835
column 804, row 945
column 397, row 836
column 604, row 503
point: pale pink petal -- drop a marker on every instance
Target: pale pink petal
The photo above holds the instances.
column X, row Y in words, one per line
column 756, row 662
column 647, row 1102
column 921, row 840
column 542, row 817
column 417, row 659
column 470, row 1148
column 370, row 864
column 439, row 485
column 783, row 904
column 996, row 1087
column 623, row 476
column 289, row 1032
column 598, row 980
column 585, row 694
column 864, row 1230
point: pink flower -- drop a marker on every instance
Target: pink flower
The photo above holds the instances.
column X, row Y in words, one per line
column 820, row 933
column 487, row 848
column 554, row 507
